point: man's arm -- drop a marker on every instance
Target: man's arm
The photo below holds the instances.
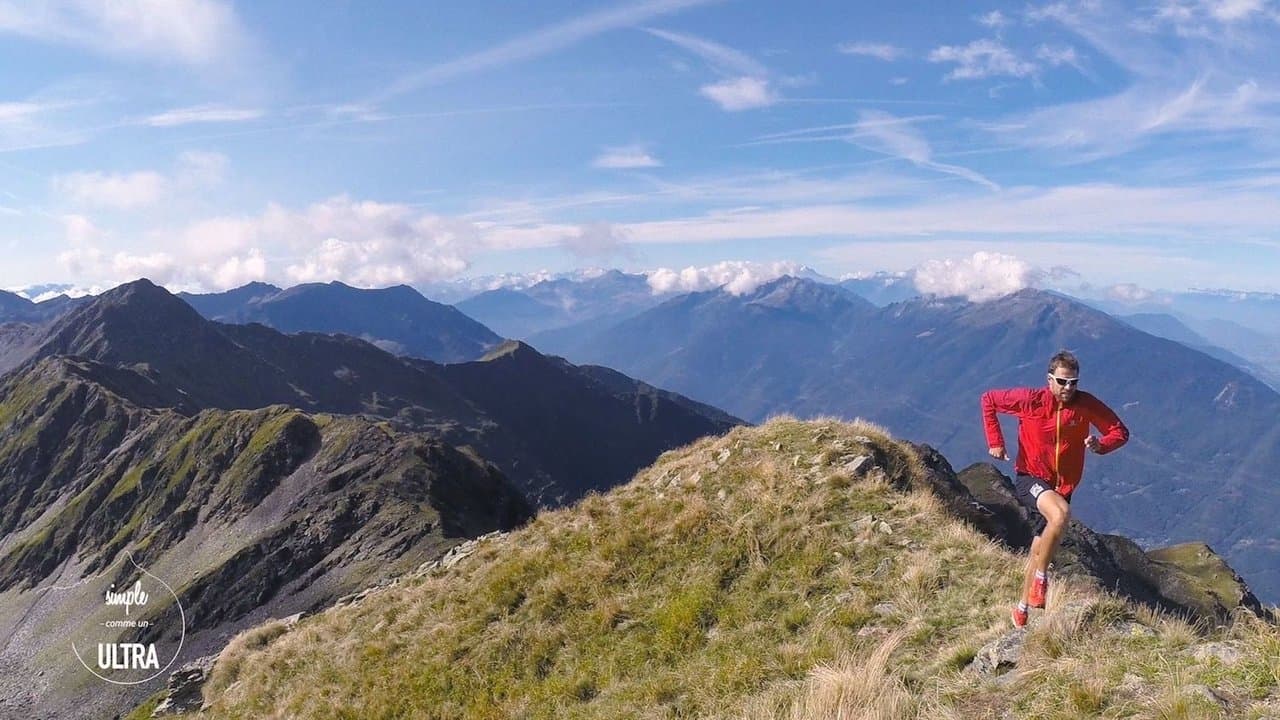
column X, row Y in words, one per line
column 1013, row 401
column 1114, row 432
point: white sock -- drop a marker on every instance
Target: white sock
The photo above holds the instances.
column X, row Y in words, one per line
column 1023, row 606
column 1041, row 576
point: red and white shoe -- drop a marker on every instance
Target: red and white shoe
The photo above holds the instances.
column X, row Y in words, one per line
column 1019, row 617
column 1039, row 590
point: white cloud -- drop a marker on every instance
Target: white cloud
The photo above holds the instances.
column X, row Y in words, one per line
column 15, row 111
column 539, row 42
column 736, row 277
column 1128, row 292
column 626, row 156
column 1061, row 55
column 194, row 32
column 375, row 263
column 883, row 51
column 981, row 59
column 1203, row 18
column 597, row 240
column 238, row 270
column 1232, row 10
column 80, row 230
column 747, row 82
column 979, row 277
column 994, row 19
column 91, row 260
column 742, row 93
column 194, row 170
column 119, row 191
column 364, row 243
column 201, row 114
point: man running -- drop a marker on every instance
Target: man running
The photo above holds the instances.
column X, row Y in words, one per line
column 1053, row 433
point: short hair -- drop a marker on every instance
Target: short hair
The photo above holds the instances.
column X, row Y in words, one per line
column 1064, row 359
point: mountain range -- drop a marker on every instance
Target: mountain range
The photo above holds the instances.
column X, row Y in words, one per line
column 397, row 319
column 562, row 302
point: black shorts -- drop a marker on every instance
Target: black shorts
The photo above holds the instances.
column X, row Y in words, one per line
column 1026, row 489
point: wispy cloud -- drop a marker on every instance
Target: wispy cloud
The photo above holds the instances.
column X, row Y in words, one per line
column 118, row 191
column 981, row 59
column 747, row 83
column 882, row 51
column 12, row 112
column 626, row 156
column 994, row 19
column 195, row 170
column 1056, row 55
column 1183, row 83
column 38, row 122
column 725, row 59
column 1203, row 18
column 1159, row 214
column 881, row 132
column 201, row 114
column 193, row 32
column 1116, row 124
column 742, row 93
column 537, row 43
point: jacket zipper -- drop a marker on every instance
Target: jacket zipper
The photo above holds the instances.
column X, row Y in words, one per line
column 1057, row 449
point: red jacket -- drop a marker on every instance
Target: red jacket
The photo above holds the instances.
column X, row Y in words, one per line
column 1051, row 435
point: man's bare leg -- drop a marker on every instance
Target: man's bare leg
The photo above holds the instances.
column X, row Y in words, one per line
column 1031, row 569
column 1056, row 513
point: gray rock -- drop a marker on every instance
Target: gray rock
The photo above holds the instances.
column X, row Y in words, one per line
column 1131, row 681
column 1206, row 692
column 885, row 608
column 999, row 656
column 854, row 466
column 1227, row 654
column 185, row 685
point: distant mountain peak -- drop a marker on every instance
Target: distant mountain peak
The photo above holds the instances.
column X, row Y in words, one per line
column 143, row 302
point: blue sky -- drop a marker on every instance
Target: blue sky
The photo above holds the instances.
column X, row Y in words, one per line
column 205, row 144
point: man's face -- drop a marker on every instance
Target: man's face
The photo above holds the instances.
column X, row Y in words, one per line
column 1063, row 382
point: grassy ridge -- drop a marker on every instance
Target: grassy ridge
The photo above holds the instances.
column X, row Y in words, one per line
column 754, row 575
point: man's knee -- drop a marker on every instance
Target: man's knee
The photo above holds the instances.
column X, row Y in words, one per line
column 1055, row 510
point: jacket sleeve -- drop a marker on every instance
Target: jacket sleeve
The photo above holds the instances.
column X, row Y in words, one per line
column 1114, row 432
column 1014, row 401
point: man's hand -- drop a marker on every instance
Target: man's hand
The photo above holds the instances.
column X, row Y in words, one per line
column 1092, row 443
column 998, row 453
